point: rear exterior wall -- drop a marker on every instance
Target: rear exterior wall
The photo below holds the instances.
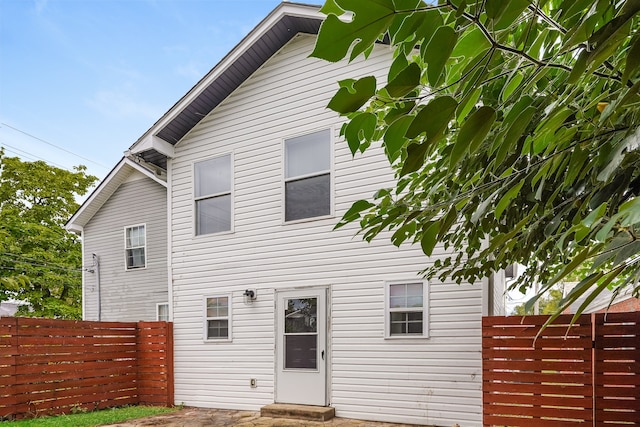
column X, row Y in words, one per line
column 435, row 380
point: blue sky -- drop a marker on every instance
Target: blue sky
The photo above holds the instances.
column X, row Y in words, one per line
column 91, row 76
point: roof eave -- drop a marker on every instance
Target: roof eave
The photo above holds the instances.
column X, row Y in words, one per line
column 107, row 187
column 282, row 11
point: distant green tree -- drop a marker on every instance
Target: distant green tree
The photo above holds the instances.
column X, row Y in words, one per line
column 40, row 262
column 548, row 304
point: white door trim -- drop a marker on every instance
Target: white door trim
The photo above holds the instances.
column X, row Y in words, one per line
column 302, row 386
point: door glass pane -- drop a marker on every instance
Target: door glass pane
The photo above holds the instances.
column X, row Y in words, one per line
column 301, row 315
column 308, row 198
column 307, row 154
column 300, row 351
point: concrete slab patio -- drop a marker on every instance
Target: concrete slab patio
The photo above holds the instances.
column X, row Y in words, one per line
column 199, row 417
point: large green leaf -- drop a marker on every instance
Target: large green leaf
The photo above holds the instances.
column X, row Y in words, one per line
column 633, row 60
column 353, row 94
column 394, row 137
column 405, row 81
column 429, row 237
column 370, row 19
column 438, row 51
column 473, row 132
column 433, row 118
column 503, row 203
column 360, row 128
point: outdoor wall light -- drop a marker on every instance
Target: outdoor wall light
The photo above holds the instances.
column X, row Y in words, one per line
column 249, row 296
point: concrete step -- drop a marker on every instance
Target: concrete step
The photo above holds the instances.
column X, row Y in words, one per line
column 298, row 412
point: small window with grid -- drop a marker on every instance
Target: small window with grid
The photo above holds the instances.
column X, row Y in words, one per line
column 218, row 316
column 406, row 310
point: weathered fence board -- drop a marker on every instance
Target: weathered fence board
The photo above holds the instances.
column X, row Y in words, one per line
column 56, row 366
column 571, row 375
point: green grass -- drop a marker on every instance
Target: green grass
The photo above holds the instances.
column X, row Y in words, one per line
column 89, row 419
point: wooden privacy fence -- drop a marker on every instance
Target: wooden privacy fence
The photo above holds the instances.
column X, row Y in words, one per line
column 59, row 366
column 579, row 375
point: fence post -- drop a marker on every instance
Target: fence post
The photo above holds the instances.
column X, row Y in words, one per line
column 169, row 362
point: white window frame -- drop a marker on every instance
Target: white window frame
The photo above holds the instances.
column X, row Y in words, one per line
column 126, row 266
column 228, row 317
column 330, row 171
column 160, row 304
column 197, row 198
column 388, row 310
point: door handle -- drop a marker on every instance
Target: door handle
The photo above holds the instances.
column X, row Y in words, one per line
column 322, row 354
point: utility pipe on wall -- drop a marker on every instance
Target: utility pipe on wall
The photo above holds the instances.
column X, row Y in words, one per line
column 96, row 263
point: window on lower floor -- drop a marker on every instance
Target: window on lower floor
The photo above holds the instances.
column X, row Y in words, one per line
column 135, row 243
column 406, row 311
column 307, row 180
column 162, row 312
column 217, row 318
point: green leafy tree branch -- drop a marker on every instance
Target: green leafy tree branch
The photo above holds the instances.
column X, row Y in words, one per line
column 513, row 130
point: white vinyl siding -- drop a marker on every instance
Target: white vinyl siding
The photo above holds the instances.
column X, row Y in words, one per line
column 135, row 245
column 435, row 381
column 127, row 295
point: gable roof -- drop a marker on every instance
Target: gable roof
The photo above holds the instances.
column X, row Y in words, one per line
column 105, row 190
column 156, row 144
column 271, row 34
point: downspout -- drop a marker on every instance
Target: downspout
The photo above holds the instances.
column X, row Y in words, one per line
column 169, row 240
column 96, row 263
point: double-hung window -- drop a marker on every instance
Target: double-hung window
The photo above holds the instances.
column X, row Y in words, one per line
column 135, row 243
column 213, row 195
column 217, row 318
column 307, row 183
column 406, row 309
column 162, row 312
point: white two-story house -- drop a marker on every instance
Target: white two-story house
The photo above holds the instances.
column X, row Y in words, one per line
column 220, row 218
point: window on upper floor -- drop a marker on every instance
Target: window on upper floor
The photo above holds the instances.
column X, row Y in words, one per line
column 162, row 312
column 213, row 195
column 217, row 318
column 406, row 309
column 135, row 243
column 307, row 176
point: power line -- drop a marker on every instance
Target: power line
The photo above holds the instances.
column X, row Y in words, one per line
column 53, row 145
column 18, row 154
column 16, row 259
column 26, row 153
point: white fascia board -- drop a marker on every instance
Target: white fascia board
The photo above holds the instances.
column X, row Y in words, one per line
column 146, row 172
column 74, row 228
column 152, row 142
column 107, row 187
column 75, row 222
column 283, row 9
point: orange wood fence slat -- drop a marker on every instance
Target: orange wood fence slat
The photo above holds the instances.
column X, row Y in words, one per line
column 52, row 366
column 580, row 375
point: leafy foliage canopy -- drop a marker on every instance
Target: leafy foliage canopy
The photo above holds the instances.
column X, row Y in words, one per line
column 513, row 128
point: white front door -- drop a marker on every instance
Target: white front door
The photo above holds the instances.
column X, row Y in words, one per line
column 301, row 331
